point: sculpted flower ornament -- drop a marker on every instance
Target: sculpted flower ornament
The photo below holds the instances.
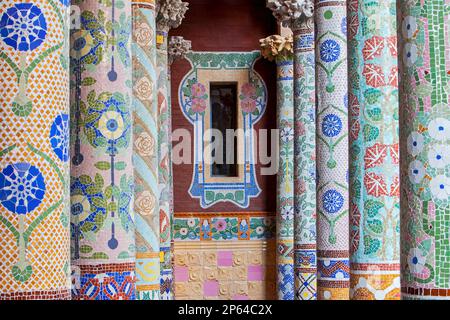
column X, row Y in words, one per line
column 276, row 46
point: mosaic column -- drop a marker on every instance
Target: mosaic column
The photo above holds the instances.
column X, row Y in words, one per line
column 298, row 15
column 34, row 143
column 424, row 27
column 333, row 267
column 374, row 150
column 102, row 219
column 170, row 15
column 145, row 150
column 280, row 49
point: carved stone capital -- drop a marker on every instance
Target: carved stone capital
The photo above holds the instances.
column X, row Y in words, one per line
column 291, row 12
column 178, row 48
column 170, row 14
column 276, row 46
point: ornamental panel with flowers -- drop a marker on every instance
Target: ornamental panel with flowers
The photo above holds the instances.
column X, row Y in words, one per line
column 194, row 100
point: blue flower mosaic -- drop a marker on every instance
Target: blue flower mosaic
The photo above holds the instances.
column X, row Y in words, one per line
column 88, row 41
column 86, row 204
column 111, row 123
column 332, row 201
column 23, row 27
column 59, row 137
column 331, row 125
column 330, row 50
column 22, row 188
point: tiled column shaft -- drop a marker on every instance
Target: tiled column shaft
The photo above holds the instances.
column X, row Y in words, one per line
column 333, row 268
column 164, row 172
column 145, row 150
column 34, row 143
column 305, row 255
column 280, row 49
column 103, row 246
column 285, row 181
column 170, row 14
column 374, row 150
column 424, row 29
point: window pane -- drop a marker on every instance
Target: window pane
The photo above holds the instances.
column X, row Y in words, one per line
column 223, row 117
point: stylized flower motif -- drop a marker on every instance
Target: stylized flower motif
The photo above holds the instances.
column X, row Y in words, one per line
column 373, row 47
column 375, row 184
column 86, row 206
column 119, row 287
column 332, row 201
column 82, row 43
column 416, row 171
column 440, row 187
column 145, row 203
column 85, row 43
column 144, row 89
column 287, row 212
column 59, row 137
column 259, row 230
column 439, row 129
column 143, row 34
column 248, row 90
column 80, row 207
column 198, row 105
column 331, row 125
column 287, row 134
column 330, row 50
column 409, row 27
column 374, row 75
column 439, row 156
column 22, row 188
column 410, row 54
column 198, row 90
column 23, row 27
column 111, row 125
column 145, row 144
column 191, row 223
column 248, row 105
column 221, row 224
column 416, row 261
column 183, row 231
column 415, row 143
column 375, row 155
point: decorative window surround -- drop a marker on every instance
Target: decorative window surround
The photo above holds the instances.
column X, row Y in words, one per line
column 194, row 101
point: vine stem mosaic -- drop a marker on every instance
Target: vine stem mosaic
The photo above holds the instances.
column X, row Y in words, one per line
column 102, row 220
column 280, row 49
column 425, row 162
column 333, row 268
column 34, row 143
column 145, row 150
column 374, row 150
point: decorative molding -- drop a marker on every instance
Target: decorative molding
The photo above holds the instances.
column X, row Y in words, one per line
column 170, row 14
column 276, row 46
column 178, row 48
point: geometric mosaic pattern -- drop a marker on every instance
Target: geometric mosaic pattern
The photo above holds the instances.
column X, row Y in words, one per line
column 225, row 271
